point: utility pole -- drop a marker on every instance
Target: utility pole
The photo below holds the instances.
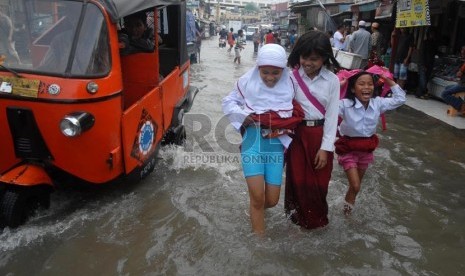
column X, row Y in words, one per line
column 218, row 12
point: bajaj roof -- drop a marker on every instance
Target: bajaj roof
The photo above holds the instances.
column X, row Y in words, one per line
column 120, row 8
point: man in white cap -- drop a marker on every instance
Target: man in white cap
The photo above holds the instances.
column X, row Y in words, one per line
column 360, row 43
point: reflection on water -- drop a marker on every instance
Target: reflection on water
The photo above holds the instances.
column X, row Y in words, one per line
column 188, row 216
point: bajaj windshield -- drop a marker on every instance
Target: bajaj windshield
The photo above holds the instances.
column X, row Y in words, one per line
column 68, row 38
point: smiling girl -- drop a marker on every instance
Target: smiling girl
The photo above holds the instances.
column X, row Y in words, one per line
column 264, row 90
column 360, row 113
column 310, row 155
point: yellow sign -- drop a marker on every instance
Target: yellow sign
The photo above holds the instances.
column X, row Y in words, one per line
column 19, row 87
column 412, row 13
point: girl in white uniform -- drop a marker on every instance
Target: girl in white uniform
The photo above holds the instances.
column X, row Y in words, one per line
column 265, row 88
column 360, row 113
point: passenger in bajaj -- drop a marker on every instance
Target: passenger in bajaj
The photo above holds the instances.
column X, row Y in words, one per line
column 136, row 36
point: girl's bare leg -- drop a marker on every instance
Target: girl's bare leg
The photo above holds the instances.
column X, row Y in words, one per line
column 257, row 203
column 271, row 195
column 355, row 176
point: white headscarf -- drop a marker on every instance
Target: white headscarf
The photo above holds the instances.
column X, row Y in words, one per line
column 260, row 98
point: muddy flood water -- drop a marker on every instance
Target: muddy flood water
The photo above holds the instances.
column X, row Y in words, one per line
column 187, row 217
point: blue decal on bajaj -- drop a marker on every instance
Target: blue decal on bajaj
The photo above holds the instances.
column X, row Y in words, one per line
column 145, row 138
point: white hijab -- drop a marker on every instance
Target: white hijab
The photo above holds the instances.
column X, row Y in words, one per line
column 260, row 98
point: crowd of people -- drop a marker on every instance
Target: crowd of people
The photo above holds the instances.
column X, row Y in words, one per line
column 259, row 38
column 369, row 45
column 372, row 46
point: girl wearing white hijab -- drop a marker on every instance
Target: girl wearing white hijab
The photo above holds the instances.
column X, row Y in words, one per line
column 266, row 87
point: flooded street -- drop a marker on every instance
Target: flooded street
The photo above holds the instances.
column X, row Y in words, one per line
column 187, row 217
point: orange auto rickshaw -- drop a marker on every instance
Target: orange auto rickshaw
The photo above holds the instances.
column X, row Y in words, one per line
column 76, row 105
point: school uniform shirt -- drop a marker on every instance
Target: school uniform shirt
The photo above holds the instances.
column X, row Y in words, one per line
column 325, row 88
column 251, row 95
column 361, row 122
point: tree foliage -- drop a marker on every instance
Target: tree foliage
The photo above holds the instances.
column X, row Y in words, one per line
column 251, row 7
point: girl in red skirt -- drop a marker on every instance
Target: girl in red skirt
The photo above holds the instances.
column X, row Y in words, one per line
column 310, row 155
column 360, row 113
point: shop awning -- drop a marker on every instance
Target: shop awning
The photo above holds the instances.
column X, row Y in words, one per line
column 308, row 5
column 341, row 13
column 365, row 6
column 303, row 7
column 344, row 9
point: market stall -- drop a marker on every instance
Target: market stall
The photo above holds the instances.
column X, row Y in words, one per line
column 444, row 74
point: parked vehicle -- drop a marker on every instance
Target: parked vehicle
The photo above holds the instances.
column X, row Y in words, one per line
column 75, row 111
column 250, row 31
column 235, row 24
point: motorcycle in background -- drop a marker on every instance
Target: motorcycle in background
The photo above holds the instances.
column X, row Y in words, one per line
column 222, row 42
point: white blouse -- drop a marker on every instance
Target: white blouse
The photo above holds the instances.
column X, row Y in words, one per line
column 234, row 107
column 361, row 122
column 325, row 88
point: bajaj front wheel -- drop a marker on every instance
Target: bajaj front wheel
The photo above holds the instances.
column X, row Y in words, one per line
column 19, row 203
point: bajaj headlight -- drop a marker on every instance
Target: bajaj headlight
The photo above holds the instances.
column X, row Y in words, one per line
column 74, row 124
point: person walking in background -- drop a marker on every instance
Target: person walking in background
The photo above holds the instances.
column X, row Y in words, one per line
column 448, row 95
column 265, row 88
column 360, row 112
column 269, row 37
column 190, row 26
column 360, row 43
column 276, row 38
column 428, row 50
column 405, row 46
column 377, row 41
column 231, row 39
column 330, row 36
column 256, row 40
column 262, row 37
column 239, row 46
column 377, row 47
column 339, row 37
column 347, row 40
column 310, row 155
column 292, row 39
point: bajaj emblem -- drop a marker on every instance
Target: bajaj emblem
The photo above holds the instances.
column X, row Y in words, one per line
column 146, row 137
